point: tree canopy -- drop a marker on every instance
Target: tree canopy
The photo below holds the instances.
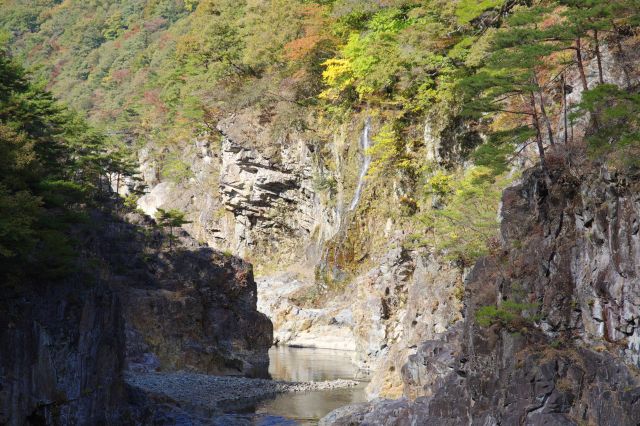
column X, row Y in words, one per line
column 52, row 165
column 487, row 78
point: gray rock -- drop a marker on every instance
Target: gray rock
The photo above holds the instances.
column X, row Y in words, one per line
column 570, row 363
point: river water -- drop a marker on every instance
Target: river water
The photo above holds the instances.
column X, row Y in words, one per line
column 306, row 408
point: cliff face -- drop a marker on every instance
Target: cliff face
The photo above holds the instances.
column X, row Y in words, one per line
column 251, row 192
column 561, row 345
column 61, row 354
column 411, row 297
column 278, row 200
column 132, row 303
column 186, row 308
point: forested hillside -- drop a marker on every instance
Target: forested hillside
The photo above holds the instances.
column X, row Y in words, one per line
column 54, row 166
column 165, row 71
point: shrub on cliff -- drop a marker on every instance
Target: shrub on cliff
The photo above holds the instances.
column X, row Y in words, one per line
column 171, row 219
column 510, row 314
column 463, row 219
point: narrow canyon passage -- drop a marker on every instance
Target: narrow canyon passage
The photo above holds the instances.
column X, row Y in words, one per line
column 310, row 345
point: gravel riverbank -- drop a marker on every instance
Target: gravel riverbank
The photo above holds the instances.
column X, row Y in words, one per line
column 211, row 395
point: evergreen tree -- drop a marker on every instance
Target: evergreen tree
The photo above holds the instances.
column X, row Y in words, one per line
column 618, row 133
column 48, row 156
column 171, row 219
column 509, row 81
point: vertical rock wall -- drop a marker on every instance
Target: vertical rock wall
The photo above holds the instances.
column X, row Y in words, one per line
column 252, row 193
column 132, row 302
column 61, row 354
column 568, row 355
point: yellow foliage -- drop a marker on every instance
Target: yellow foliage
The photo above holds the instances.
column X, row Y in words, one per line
column 338, row 73
column 440, row 183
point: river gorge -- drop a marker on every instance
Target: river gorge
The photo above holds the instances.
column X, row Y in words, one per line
column 320, row 212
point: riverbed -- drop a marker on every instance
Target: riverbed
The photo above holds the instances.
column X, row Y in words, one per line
column 304, row 408
column 305, row 385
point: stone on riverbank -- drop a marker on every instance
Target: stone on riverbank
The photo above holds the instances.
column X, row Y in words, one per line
column 209, row 396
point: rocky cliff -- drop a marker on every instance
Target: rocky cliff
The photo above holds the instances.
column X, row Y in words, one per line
column 189, row 307
column 283, row 202
column 131, row 303
column 550, row 328
column 252, row 192
column 62, row 353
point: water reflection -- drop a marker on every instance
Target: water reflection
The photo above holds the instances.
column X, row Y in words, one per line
column 304, row 364
column 311, row 365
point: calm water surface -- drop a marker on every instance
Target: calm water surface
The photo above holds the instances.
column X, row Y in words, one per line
column 306, row 408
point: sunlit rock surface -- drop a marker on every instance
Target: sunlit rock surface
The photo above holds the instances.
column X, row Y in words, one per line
column 569, row 250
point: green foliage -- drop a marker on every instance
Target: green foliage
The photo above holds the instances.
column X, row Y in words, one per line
column 462, row 228
column 468, row 10
column 323, row 183
column 509, row 314
column 617, row 133
column 514, row 53
column 154, row 69
column 387, row 151
column 51, row 166
column 171, row 219
column 175, row 169
column 497, row 152
column 158, row 72
column 440, row 184
column 131, row 201
column 19, row 212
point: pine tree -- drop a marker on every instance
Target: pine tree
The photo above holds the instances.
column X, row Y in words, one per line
column 171, row 219
column 48, row 158
column 618, row 133
column 587, row 19
column 509, row 81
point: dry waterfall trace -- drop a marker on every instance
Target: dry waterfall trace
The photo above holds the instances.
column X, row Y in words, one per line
column 365, row 144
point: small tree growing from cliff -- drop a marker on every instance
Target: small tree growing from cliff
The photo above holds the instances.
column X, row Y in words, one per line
column 509, row 86
column 171, row 219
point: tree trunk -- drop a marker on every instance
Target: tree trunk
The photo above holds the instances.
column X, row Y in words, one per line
column 99, row 183
column 543, row 111
column 536, row 125
column 625, row 60
column 583, row 76
column 564, row 108
column 598, row 56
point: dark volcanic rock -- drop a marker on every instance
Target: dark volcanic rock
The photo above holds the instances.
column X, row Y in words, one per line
column 567, row 353
column 61, row 354
column 189, row 308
